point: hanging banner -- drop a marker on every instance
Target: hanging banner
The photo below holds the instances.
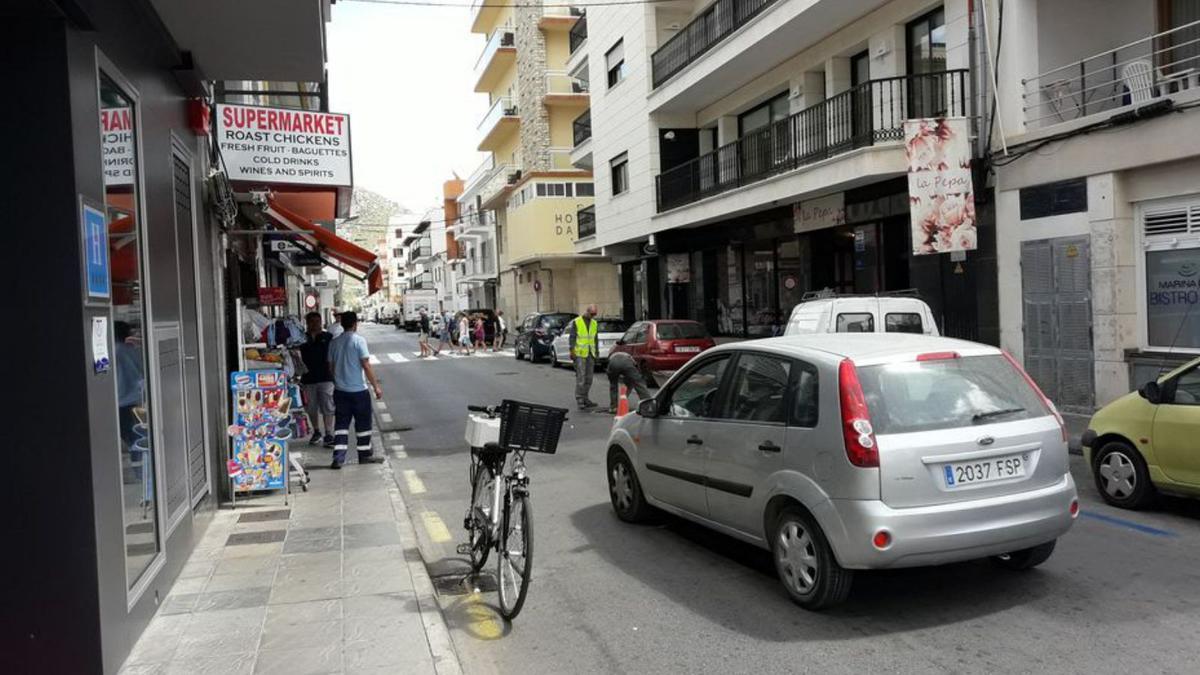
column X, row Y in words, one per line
column 261, row 429
column 679, row 270
column 941, row 197
column 281, row 145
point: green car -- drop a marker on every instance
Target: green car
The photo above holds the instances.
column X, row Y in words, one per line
column 1148, row 441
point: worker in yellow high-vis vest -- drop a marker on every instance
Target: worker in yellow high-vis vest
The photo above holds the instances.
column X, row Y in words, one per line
column 584, row 350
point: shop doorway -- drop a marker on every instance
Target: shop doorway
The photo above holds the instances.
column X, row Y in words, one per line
column 1056, row 295
column 195, row 441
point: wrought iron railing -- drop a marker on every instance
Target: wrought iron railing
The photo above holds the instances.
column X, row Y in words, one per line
column 586, row 218
column 702, row 34
column 582, row 127
column 578, row 34
column 1149, row 68
column 861, row 116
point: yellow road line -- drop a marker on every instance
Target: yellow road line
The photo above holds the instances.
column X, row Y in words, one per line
column 415, row 485
column 482, row 619
column 438, row 533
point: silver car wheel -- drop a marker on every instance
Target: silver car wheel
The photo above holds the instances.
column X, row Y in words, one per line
column 797, row 557
column 622, row 486
column 1119, row 475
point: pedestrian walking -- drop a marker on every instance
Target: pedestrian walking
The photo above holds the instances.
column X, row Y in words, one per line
column 622, row 369
column 464, row 333
column 350, row 363
column 423, row 333
column 582, row 332
column 317, row 381
column 501, row 331
column 445, row 333
column 480, row 334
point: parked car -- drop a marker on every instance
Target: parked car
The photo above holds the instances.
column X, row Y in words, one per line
column 1145, row 442
column 536, row 333
column 849, row 452
column 861, row 314
column 607, row 334
column 663, row 344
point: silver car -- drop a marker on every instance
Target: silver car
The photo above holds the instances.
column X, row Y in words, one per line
column 845, row 452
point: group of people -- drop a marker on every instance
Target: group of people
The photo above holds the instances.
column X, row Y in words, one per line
column 466, row 332
column 336, row 392
column 583, row 334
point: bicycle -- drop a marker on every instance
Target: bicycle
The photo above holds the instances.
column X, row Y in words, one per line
column 499, row 516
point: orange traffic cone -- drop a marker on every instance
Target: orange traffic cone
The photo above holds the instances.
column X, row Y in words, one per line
column 623, row 402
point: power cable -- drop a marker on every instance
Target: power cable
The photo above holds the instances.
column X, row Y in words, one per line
column 485, row 3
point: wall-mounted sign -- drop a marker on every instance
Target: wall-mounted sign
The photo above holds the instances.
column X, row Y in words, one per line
column 94, row 232
column 278, row 145
column 116, row 145
column 679, row 270
column 817, row 214
column 310, row 301
column 281, row 246
column 941, row 196
column 100, row 360
column 272, row 296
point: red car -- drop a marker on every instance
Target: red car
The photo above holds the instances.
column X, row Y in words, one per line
column 664, row 344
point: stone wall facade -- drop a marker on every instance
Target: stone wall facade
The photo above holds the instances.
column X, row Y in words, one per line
column 531, row 87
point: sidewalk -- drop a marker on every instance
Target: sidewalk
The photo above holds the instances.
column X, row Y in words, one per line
column 332, row 583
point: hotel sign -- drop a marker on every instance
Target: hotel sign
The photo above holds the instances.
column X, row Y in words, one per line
column 281, row 145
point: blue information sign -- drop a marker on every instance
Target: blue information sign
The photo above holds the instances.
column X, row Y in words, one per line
column 95, row 253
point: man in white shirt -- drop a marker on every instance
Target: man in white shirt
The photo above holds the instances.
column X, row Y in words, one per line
column 349, row 362
column 501, row 332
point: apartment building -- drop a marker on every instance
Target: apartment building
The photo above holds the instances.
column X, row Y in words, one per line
column 475, row 231
column 1098, row 192
column 528, row 182
column 396, row 261
column 747, row 152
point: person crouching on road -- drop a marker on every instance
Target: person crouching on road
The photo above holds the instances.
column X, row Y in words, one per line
column 317, row 381
column 584, row 350
column 622, row 369
column 423, row 333
column 350, row 361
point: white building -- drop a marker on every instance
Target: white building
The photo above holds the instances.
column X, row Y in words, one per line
column 748, row 151
column 475, row 232
column 1098, row 200
column 395, row 258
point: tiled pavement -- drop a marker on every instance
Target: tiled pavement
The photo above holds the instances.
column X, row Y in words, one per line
column 331, row 584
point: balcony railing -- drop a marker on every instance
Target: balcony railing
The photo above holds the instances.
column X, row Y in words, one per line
column 704, row 32
column 586, row 218
column 501, row 37
column 559, row 82
column 503, row 107
column 480, row 174
column 582, row 128
column 1132, row 74
column 578, row 34
column 423, row 280
column 560, row 159
column 870, row 113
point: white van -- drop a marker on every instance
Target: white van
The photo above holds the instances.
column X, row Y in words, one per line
column 861, row 314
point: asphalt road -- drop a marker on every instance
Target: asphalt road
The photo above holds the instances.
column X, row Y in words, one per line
column 1120, row 593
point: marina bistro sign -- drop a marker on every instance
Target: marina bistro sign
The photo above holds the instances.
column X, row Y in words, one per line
column 280, row 145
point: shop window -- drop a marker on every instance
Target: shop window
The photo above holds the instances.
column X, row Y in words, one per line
column 855, row 322
column 614, row 63
column 1171, row 239
column 903, row 322
column 1054, row 199
column 731, row 309
column 762, row 309
column 137, row 454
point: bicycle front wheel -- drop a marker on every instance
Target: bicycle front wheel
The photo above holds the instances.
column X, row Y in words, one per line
column 479, row 520
column 515, row 559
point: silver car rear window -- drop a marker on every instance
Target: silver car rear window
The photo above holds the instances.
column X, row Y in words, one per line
column 947, row 393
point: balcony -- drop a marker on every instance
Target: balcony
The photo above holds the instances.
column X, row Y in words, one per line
column 475, row 225
column 499, row 54
column 494, row 184
column 578, row 34
column 716, row 23
column 565, row 91
column 420, row 252
column 478, row 270
column 1144, row 71
column 484, row 14
column 586, row 217
column 480, row 174
column 424, row 280
column 498, row 124
column 869, row 114
column 557, row 17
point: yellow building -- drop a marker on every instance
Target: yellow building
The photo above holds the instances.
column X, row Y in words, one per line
column 528, row 180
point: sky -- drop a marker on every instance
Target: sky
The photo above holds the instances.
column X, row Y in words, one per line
column 405, row 76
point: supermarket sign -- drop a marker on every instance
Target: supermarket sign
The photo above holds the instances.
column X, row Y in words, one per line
column 281, row 145
column 116, row 144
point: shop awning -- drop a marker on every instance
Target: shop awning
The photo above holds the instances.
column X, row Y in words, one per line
column 329, row 246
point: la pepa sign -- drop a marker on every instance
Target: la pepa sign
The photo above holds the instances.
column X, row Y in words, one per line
column 280, row 145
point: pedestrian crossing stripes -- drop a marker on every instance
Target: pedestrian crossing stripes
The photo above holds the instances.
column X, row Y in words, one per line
column 397, row 357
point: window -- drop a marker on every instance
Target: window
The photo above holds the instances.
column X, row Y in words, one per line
column 760, row 385
column 906, row 322
column 681, row 331
column 805, row 402
column 862, row 322
column 1054, row 199
column 620, row 173
column 1184, row 389
column 611, row 326
column 635, row 335
column 927, row 54
column 1171, row 239
column 585, row 190
column 399, row 233
column 763, row 114
column 614, row 62
column 696, row 394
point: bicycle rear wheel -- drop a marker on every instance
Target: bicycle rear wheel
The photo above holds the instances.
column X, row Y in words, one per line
column 515, row 558
column 479, row 519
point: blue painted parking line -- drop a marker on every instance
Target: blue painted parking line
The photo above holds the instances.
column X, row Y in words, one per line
column 1113, row 520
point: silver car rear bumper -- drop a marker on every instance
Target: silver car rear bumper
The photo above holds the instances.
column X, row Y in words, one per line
column 946, row 533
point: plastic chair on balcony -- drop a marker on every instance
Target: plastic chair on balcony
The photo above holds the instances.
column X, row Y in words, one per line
column 1144, row 84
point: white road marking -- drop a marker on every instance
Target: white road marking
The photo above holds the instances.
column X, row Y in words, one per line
column 380, row 405
column 386, row 418
column 374, row 360
column 392, row 436
column 398, row 451
column 415, row 485
column 397, row 357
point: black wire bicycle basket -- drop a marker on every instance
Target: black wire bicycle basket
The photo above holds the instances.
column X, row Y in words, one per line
column 530, row 427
